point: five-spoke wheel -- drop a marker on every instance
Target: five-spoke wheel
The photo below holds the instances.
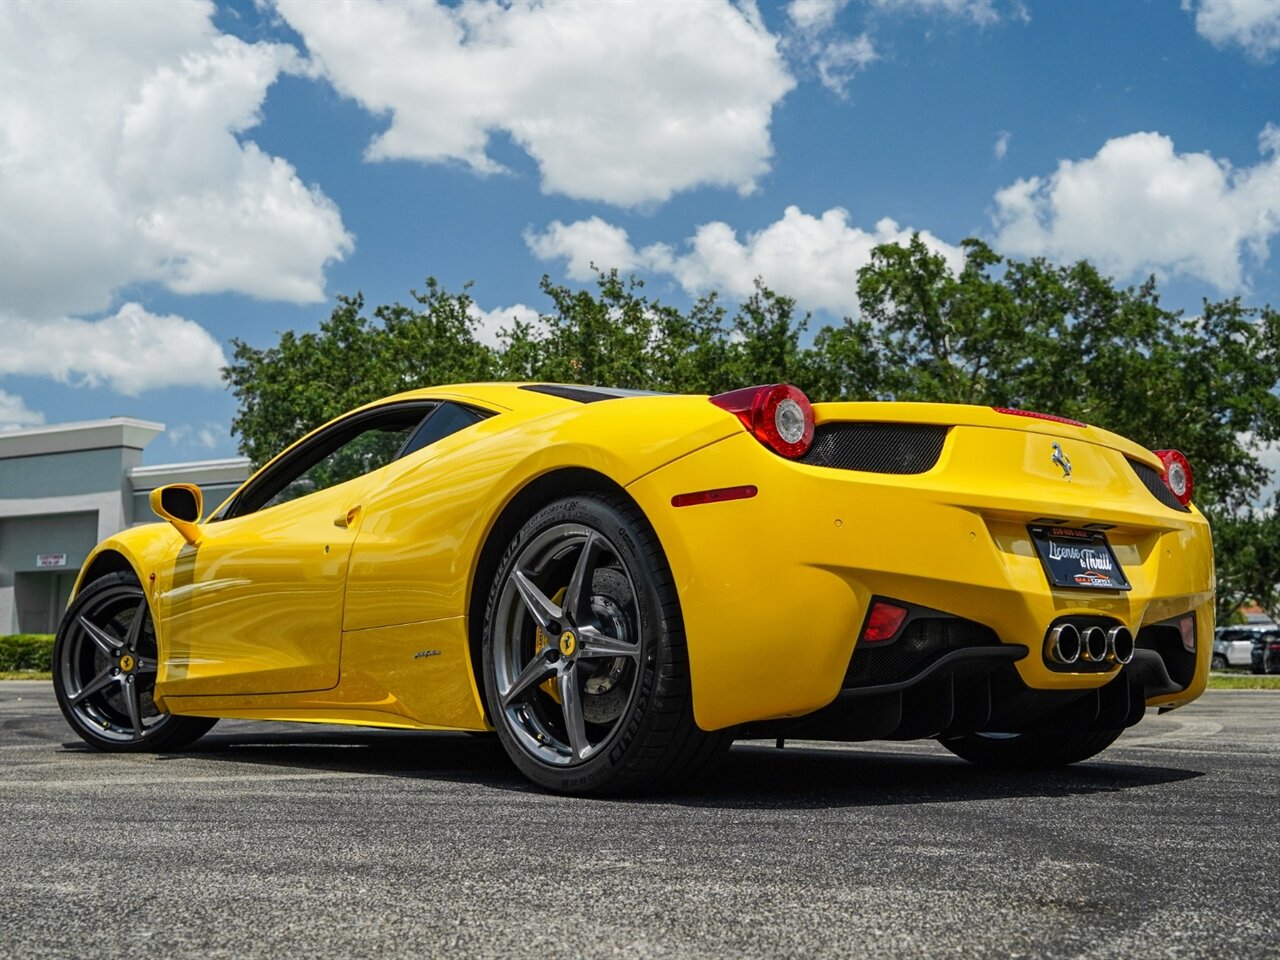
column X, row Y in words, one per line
column 584, row 653
column 105, row 671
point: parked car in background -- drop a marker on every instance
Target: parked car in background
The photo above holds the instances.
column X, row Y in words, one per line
column 1233, row 646
column 1265, row 652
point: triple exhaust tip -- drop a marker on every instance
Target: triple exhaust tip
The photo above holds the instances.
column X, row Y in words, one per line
column 1066, row 643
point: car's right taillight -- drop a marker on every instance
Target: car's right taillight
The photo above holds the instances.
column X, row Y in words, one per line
column 778, row 414
column 1177, row 474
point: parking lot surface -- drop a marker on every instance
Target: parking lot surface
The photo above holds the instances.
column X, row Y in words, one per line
column 282, row 840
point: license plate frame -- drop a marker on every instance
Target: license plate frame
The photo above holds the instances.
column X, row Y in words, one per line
column 1077, row 558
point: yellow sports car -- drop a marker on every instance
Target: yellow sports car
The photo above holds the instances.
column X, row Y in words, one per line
column 620, row 584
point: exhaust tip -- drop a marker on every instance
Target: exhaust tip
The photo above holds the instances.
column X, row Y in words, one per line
column 1094, row 645
column 1120, row 645
column 1062, row 644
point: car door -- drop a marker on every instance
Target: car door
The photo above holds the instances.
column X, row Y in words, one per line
column 256, row 606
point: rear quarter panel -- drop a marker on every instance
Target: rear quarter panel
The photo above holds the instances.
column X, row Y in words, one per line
column 420, row 536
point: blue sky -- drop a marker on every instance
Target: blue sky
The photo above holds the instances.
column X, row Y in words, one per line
column 174, row 176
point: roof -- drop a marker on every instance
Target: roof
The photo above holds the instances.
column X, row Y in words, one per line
column 84, row 435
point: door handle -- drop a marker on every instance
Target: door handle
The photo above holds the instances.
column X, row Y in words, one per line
column 348, row 518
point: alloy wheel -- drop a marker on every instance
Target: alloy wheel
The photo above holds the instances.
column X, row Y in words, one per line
column 107, row 666
column 568, row 645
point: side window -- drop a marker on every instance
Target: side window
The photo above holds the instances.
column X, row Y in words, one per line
column 350, row 449
column 446, row 419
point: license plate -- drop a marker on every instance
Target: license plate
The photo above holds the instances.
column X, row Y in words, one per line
column 1078, row 558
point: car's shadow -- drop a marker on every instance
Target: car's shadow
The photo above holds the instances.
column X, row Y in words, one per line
column 751, row 775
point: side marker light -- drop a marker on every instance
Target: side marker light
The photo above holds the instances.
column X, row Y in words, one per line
column 745, row 492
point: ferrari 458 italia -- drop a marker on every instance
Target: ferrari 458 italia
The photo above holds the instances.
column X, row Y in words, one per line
column 620, row 584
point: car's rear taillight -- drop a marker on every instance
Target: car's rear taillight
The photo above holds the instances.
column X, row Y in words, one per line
column 1015, row 412
column 779, row 415
column 1177, row 474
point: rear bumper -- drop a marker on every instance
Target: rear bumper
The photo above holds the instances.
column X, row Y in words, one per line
column 774, row 589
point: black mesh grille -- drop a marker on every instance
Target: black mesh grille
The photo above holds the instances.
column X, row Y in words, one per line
column 1153, row 482
column 923, row 641
column 877, row 447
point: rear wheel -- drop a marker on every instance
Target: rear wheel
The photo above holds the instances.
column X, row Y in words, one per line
column 104, row 671
column 1030, row 750
column 1219, row 662
column 586, row 672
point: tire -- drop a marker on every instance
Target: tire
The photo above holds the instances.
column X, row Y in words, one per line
column 1219, row 662
column 104, row 672
column 586, row 673
column 1030, row 751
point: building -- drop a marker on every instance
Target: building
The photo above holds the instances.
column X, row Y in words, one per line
column 63, row 488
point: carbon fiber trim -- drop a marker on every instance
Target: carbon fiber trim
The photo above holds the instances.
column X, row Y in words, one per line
column 877, row 447
column 569, row 391
column 564, row 392
column 924, row 640
column 1157, row 487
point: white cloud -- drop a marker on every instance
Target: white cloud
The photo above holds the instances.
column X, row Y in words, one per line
column 15, row 414
column 813, row 259
column 814, row 41
column 490, row 323
column 840, row 59
column 1253, row 24
column 120, row 161
column 130, row 351
column 815, row 15
column 586, row 246
column 204, row 436
column 981, row 12
column 1002, row 144
column 1139, row 207
column 624, row 103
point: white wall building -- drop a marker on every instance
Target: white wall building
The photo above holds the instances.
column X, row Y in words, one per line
column 65, row 487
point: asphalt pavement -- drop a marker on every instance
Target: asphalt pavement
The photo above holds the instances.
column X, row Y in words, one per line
column 289, row 840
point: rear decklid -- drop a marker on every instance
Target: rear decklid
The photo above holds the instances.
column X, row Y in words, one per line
column 1014, row 461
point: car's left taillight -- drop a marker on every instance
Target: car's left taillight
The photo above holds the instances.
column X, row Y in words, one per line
column 1177, row 474
column 777, row 414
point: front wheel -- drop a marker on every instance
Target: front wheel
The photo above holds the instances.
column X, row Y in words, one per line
column 586, row 671
column 104, row 671
column 1027, row 751
column 1219, row 662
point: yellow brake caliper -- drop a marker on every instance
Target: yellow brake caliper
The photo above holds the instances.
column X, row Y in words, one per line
column 541, row 640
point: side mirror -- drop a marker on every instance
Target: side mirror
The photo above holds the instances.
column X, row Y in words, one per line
column 182, row 504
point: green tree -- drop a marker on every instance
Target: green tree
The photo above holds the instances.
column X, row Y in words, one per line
column 1247, row 558
column 1063, row 339
column 1067, row 341
column 306, row 380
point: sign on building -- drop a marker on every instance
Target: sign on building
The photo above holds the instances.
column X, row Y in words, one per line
column 51, row 559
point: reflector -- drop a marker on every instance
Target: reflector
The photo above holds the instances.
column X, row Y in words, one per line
column 883, row 621
column 745, row 492
column 1187, row 627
